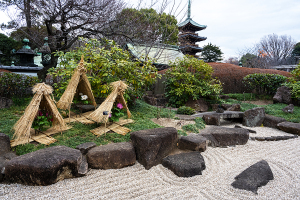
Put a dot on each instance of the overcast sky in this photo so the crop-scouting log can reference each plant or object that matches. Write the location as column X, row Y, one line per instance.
column 234, row 25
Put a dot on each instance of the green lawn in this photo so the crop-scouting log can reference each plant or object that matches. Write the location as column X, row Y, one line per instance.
column 80, row 133
column 141, row 114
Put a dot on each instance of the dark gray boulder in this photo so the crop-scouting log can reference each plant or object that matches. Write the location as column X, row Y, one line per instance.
column 288, row 109
column 234, row 107
column 111, row 156
column 46, row 166
column 212, row 119
column 289, row 127
column 85, row 147
column 272, row 121
column 199, row 105
column 283, row 95
column 254, row 117
column 5, row 102
column 153, row 145
column 225, row 106
column 4, row 144
column 255, row 176
column 185, row 164
column 222, row 136
column 192, row 142
column 85, row 108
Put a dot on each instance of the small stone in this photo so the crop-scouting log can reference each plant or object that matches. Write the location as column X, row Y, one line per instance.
column 185, row 164
column 288, row 109
column 193, row 142
column 85, row 147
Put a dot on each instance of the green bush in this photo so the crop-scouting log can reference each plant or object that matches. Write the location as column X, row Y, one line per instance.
column 184, row 110
column 264, row 83
column 190, row 78
column 16, row 85
column 294, row 83
column 105, row 63
column 191, row 128
column 200, row 123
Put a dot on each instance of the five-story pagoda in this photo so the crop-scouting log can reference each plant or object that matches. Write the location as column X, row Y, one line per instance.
column 188, row 36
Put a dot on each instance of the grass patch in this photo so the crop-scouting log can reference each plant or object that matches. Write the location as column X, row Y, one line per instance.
column 191, row 128
column 80, row 133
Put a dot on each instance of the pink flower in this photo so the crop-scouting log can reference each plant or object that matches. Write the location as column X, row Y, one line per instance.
column 109, row 115
column 120, row 106
column 40, row 113
column 46, row 114
column 51, row 119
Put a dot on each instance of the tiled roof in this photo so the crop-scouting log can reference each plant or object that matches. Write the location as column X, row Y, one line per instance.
column 189, row 20
column 193, row 36
column 161, row 54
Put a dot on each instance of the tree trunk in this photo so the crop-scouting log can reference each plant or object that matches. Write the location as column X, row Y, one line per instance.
column 42, row 74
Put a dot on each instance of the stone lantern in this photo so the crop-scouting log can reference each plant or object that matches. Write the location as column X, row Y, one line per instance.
column 46, row 53
column 26, row 55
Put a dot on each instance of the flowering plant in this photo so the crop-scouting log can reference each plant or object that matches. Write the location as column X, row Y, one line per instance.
column 42, row 121
column 83, row 99
column 116, row 112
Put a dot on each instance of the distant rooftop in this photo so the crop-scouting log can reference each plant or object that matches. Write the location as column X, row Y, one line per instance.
column 161, row 54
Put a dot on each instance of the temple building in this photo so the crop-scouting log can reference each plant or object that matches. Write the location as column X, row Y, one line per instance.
column 187, row 35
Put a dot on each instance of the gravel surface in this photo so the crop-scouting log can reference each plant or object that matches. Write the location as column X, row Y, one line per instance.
column 222, row 165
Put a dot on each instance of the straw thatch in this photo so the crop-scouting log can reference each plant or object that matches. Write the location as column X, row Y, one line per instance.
column 79, row 83
column 41, row 101
column 119, row 88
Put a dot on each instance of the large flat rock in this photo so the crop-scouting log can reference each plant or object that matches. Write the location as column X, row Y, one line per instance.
column 153, row 145
column 255, row 176
column 222, row 136
column 112, row 156
column 224, row 115
column 185, row 164
column 46, row 166
column 272, row 121
column 254, row 117
column 289, row 127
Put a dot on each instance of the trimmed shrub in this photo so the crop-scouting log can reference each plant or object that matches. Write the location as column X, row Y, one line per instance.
column 16, row 85
column 185, row 110
column 294, row 83
column 189, row 77
column 264, row 83
column 231, row 76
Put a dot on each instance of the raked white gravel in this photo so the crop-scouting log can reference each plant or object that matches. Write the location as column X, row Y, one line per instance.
column 222, row 165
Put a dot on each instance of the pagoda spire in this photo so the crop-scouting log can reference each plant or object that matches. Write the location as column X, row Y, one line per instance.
column 189, row 10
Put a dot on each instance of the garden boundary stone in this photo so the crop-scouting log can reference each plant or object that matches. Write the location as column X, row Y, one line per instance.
column 85, row 147
column 283, row 95
column 234, row 107
column 46, row 166
column 199, row 105
column 254, row 117
column 288, row 109
column 111, row 156
column 212, row 119
column 272, row 121
column 4, row 143
column 253, row 177
column 185, row 164
column 153, row 145
column 289, row 127
column 193, row 142
column 5, row 102
column 223, row 137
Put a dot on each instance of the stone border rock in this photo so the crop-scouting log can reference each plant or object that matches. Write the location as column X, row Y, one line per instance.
column 274, row 138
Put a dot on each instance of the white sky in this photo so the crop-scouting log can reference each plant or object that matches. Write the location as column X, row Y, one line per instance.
column 236, row 24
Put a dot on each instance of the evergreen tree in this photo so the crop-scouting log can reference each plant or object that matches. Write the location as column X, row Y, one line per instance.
column 211, row 53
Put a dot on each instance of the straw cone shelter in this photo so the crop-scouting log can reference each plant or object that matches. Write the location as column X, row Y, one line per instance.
column 41, row 101
column 79, row 83
column 119, row 88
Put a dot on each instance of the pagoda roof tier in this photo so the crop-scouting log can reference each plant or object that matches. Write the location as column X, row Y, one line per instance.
column 190, row 49
column 191, row 24
column 192, row 36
